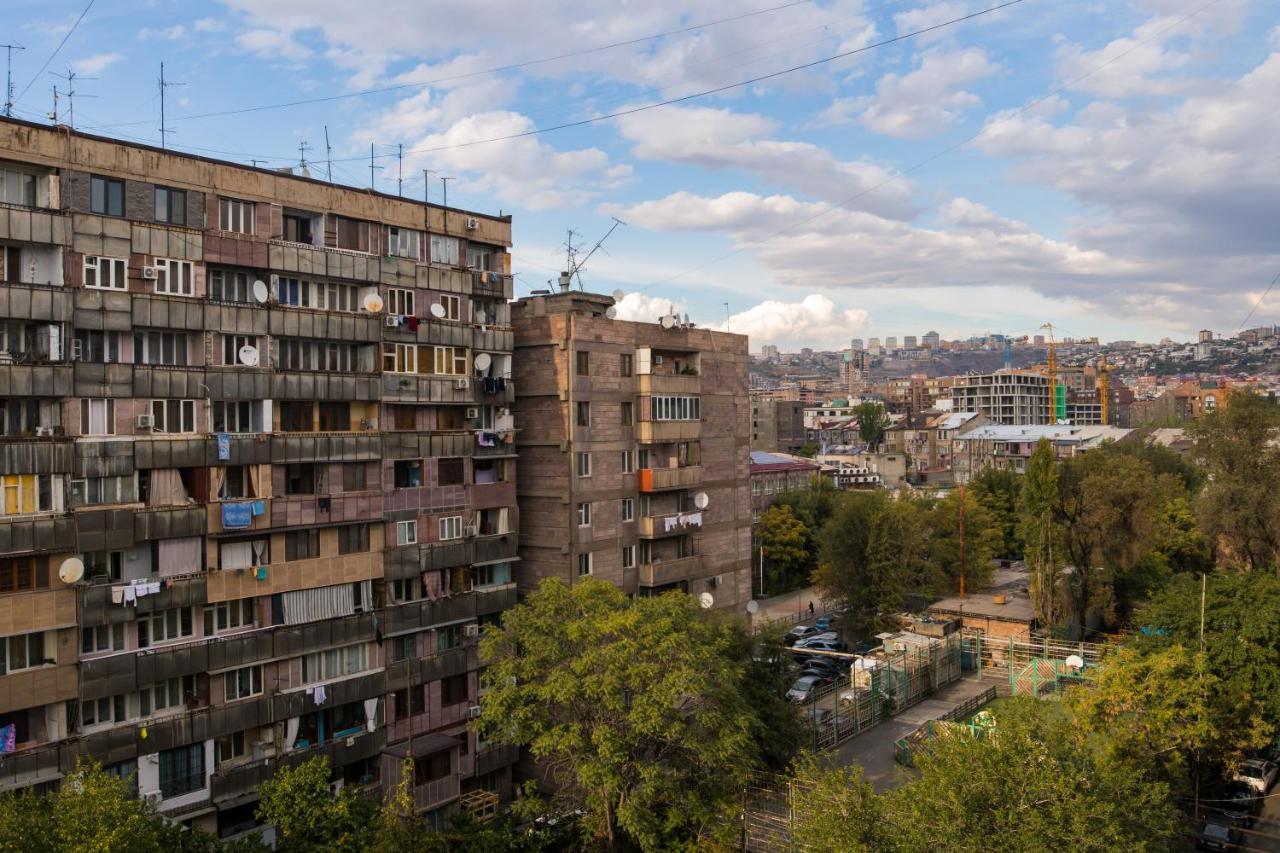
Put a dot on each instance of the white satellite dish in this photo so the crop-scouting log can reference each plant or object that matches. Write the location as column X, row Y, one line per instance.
column 1074, row 661
column 483, row 360
column 71, row 570
column 619, row 295
column 753, row 606
column 249, row 356
column 437, row 311
column 260, row 291
column 707, row 600
column 481, row 317
column 701, row 501
column 373, row 303
column 666, row 321
column 611, row 312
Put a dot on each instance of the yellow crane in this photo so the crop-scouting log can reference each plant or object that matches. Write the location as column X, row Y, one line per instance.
column 1053, row 376
column 1104, row 389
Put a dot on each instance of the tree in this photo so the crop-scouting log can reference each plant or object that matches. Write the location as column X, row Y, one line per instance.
column 1240, row 506
column 873, row 420
column 787, row 549
column 1038, row 528
column 998, row 491
column 637, row 709
column 307, row 816
column 942, row 542
column 835, row 810
column 872, row 555
column 808, row 450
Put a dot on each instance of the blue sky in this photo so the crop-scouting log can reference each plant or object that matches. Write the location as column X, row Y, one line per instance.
column 1107, row 166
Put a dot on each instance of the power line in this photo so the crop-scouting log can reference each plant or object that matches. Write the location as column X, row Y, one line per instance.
column 920, row 164
column 493, row 70
column 1256, row 305
column 725, row 88
column 57, row 49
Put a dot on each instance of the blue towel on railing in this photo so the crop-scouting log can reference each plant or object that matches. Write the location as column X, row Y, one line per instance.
column 237, row 514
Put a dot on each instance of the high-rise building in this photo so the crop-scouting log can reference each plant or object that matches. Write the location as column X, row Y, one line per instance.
column 909, row 342
column 1016, row 397
column 777, row 425
column 259, row 485
column 634, row 451
column 769, row 351
column 1037, row 340
column 931, row 340
column 855, row 344
column 891, row 342
column 1206, row 336
column 873, row 346
column 854, row 374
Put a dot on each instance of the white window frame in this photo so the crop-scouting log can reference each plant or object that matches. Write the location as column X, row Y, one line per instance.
column 628, row 461
column 186, row 416
column 26, row 642
column 100, row 411
column 235, row 281
column 242, row 683
column 452, row 306
column 582, row 464
column 451, row 527
column 400, row 300
column 588, row 560
column 399, row 356
column 162, row 619
column 628, row 509
column 107, row 273
column 236, row 216
column 167, row 269
column 404, row 243
column 628, row 556
column 334, row 663
column 584, row 514
column 227, row 616
column 407, row 532
column 444, row 250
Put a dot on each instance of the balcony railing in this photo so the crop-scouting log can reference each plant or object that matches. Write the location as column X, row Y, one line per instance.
column 662, row 431
column 670, row 383
column 432, row 795
column 668, row 571
column 672, row 524
column 660, row 479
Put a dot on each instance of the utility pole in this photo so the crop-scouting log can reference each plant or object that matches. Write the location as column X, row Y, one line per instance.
column 328, row 156
column 164, row 128
column 8, row 77
column 445, row 183
column 426, row 185
column 371, row 181
column 962, row 541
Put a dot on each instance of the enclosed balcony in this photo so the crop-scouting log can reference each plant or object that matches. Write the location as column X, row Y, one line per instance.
column 666, row 572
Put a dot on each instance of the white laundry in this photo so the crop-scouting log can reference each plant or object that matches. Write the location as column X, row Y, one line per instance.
column 318, row 695
column 130, row 594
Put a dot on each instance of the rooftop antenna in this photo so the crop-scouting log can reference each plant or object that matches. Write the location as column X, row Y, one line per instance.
column 444, row 182
column 328, row 156
column 302, row 155
column 727, row 317
column 574, row 265
column 426, row 185
column 53, row 116
column 164, row 128
column 400, row 169
column 8, row 77
column 71, row 77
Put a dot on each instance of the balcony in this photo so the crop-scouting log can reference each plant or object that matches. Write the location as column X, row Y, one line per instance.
column 651, row 432
column 669, row 383
column 668, row 571
column 491, row 284
column 662, row 479
column 672, row 524
column 432, row 795
column 36, row 380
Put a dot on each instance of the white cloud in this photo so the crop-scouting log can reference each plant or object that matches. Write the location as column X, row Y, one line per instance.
column 208, row 25
column 173, row 33
column 922, row 101
column 96, row 63
column 643, row 308
column 273, row 44
column 815, row 321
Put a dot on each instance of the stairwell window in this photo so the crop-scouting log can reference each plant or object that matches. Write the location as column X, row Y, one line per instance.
column 105, row 273
column 628, row 509
column 174, row 277
column 628, row 556
column 583, row 464
column 585, row 564
column 628, row 462
column 171, row 206
column 584, row 514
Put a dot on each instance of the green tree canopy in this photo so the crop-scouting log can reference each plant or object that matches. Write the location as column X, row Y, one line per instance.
column 787, row 547
column 308, row 816
column 998, row 490
column 872, row 420
column 1038, row 529
column 982, row 537
column 638, row 708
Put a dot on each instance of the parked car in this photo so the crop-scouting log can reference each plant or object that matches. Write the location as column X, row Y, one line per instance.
column 818, row 716
column 1257, row 774
column 806, row 686
column 823, row 624
column 1217, row 835
column 798, row 633
column 1233, row 802
column 823, row 637
column 822, row 666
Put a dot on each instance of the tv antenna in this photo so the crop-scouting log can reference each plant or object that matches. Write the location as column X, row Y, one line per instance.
column 328, row 156
column 8, row 77
column 573, row 264
column 53, row 116
column 302, row 155
column 71, row 77
column 164, row 128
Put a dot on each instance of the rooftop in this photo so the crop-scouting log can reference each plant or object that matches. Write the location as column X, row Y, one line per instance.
column 1011, row 582
column 765, row 463
column 1086, row 435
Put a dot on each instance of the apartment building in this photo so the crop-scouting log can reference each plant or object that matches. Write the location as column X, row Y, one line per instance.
column 634, row 451
column 258, row 476
column 777, row 425
column 1014, row 397
column 1009, row 448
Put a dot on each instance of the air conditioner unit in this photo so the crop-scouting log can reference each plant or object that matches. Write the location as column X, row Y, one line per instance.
column 146, row 421
column 393, row 320
column 472, row 630
column 148, row 272
column 472, row 223
column 473, row 712
column 472, row 413
column 657, row 359
column 472, row 530
column 462, row 384
column 44, row 431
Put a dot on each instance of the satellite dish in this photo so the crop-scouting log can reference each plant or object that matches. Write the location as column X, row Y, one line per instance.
column 1074, row 661
column 260, row 291
column 686, row 318
column 249, row 356
column 373, row 303
column 666, row 321
column 753, row 606
column 71, row 570
column 437, row 311
column 611, row 312
column 481, row 317
column 483, row 360
column 707, row 600
column 701, row 501
column 618, row 296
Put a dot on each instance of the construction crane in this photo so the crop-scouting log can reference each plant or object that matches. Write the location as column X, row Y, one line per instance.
column 1053, row 375
column 1104, row 389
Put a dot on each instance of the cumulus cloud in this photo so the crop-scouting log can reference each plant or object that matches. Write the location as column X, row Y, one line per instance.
column 815, row 321
column 273, row 44
column 173, row 33
column 95, row 64
column 642, row 308
column 922, row 101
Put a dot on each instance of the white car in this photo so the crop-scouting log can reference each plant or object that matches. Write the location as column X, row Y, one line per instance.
column 1258, row 774
column 826, row 636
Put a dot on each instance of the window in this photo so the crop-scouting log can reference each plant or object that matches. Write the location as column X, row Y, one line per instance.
column 235, row 216
column 626, row 412
column 102, row 638
column 625, row 364
column 335, row 663
column 354, row 476
column 107, row 565
column 301, row 544
column 295, row 416
column 353, row 539
column 164, row 626
column 97, row 417
column 168, row 348
column 175, row 278
column 450, row 527
column 494, row 574
column 17, row 187
column 453, row 689
column 173, row 415
column 330, row 356
column 99, row 712
column 583, row 464
column 585, row 564
column 228, row 748
column 582, row 362
column 583, row 414
column 230, row 286
column 676, row 408
column 444, row 250
column 242, row 683
column 628, row 509
column 105, row 273
column 351, row 234
column 479, row 258
column 171, row 206
column 406, row 589
column 182, row 770
column 452, row 306
column 449, row 361
column 96, row 347
column 400, row 301
column 450, row 472
column 408, row 473
column 234, row 416
column 106, row 196
column 232, row 344
column 406, row 532
column 21, row 652
column 170, row 693
column 23, row 574
column 27, row 493
column 628, row 556
column 229, row 616
column 399, row 358
column 628, row 462
column 297, row 228
column 404, row 243
column 584, row 515
column 300, row 478
column 244, row 553
column 104, row 490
